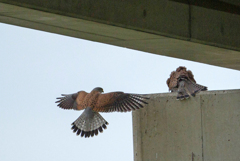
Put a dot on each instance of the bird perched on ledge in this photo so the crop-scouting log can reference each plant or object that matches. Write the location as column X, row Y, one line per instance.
column 183, row 82
column 90, row 122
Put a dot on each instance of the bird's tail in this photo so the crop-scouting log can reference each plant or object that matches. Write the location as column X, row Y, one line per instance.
column 189, row 88
column 182, row 93
column 89, row 123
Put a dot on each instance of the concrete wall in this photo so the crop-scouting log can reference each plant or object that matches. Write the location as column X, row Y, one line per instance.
column 206, row 127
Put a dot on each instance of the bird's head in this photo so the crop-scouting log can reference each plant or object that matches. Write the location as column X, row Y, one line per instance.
column 99, row 89
column 181, row 68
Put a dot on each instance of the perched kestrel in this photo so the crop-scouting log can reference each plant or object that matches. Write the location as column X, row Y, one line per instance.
column 90, row 121
column 183, row 82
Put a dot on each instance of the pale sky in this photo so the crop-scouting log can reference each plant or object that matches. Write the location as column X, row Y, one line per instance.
column 36, row 67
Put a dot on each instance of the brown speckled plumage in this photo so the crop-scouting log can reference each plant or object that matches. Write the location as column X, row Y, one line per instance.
column 90, row 122
column 183, row 82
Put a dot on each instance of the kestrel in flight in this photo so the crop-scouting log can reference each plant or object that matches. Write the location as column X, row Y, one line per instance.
column 183, row 82
column 90, row 122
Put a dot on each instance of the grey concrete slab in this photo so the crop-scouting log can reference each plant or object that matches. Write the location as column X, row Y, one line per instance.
column 167, row 18
column 205, row 127
column 169, row 130
column 215, row 27
column 137, row 136
column 221, row 125
column 154, row 14
column 146, row 26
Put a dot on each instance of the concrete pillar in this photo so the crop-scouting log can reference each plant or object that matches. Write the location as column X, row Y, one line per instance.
column 205, row 127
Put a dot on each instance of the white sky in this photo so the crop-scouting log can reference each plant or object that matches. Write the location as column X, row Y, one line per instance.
column 36, row 67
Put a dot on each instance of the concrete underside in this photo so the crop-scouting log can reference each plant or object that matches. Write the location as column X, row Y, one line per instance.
column 206, row 127
column 201, row 31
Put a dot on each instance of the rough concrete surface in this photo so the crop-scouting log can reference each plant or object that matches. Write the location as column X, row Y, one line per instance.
column 202, row 128
column 221, row 126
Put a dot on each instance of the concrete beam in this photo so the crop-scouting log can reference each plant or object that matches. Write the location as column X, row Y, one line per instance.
column 205, row 127
column 181, row 29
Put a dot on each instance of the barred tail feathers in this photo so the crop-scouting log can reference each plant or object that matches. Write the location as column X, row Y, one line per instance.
column 193, row 88
column 89, row 123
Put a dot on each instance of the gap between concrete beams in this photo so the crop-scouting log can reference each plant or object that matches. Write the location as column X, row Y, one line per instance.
column 201, row 105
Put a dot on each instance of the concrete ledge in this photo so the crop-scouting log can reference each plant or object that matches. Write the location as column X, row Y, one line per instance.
column 206, row 127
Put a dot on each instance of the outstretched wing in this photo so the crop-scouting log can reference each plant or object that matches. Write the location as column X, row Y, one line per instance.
column 72, row 101
column 120, row 102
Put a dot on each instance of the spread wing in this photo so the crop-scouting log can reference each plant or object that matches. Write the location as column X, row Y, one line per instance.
column 120, row 102
column 72, row 101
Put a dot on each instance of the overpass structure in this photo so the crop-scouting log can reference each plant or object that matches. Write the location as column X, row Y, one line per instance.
column 197, row 30
column 204, row 128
